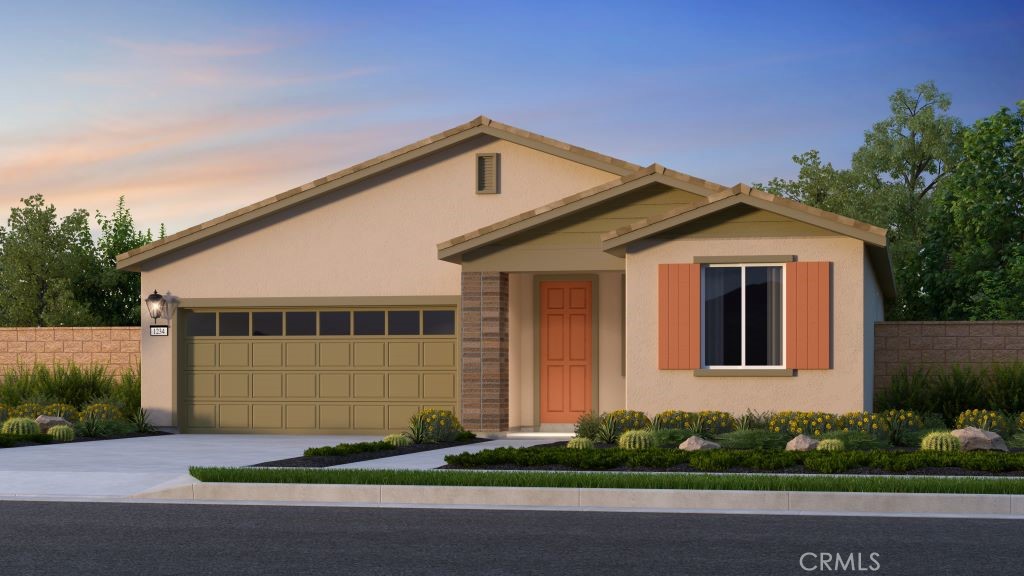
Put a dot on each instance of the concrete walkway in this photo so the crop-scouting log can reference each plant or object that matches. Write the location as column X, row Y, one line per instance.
column 435, row 458
column 120, row 468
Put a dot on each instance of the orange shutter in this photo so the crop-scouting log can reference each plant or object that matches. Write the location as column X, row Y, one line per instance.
column 678, row 316
column 808, row 315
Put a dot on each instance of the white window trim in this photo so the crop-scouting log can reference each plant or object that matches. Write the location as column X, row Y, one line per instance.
column 743, row 318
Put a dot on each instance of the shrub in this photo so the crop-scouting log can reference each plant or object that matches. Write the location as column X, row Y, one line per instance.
column 101, row 412
column 752, row 439
column 900, row 424
column 752, row 420
column 669, row 438
column 706, row 423
column 580, row 443
column 140, row 421
column 947, row 393
column 91, row 427
column 636, row 440
column 831, row 445
column 65, row 411
column 62, row 433
column 940, row 442
column 984, row 419
column 70, row 384
column 431, row 425
column 398, row 440
column 1004, row 387
column 346, row 449
column 587, row 425
column 27, row 410
column 860, row 422
column 630, row 420
column 1020, row 422
column 19, row 426
column 608, row 431
column 4, row 412
column 809, row 423
column 858, row 440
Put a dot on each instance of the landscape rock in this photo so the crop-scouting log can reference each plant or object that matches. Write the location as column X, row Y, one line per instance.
column 47, row 422
column 972, row 438
column 802, row 443
column 696, row 444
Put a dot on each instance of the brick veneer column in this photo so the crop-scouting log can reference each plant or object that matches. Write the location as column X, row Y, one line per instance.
column 485, row 351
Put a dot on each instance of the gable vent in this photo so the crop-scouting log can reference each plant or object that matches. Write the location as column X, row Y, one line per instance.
column 487, row 173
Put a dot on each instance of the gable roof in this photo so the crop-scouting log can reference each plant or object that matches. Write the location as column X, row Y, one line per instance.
column 452, row 250
column 874, row 238
column 132, row 259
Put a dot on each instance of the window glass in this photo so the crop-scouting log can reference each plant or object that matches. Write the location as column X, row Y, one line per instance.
column 301, row 323
column 438, row 322
column 335, row 324
column 266, row 324
column 722, row 319
column 369, row 323
column 764, row 315
column 201, row 324
column 234, row 323
column 404, row 322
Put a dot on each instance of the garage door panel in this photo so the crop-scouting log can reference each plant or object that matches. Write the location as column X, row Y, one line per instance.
column 335, row 416
column 300, row 354
column 308, row 380
column 233, row 354
column 234, row 385
column 267, row 385
column 267, row 354
column 268, row 416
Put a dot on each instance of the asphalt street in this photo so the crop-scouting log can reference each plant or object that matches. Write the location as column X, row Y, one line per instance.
column 152, row 539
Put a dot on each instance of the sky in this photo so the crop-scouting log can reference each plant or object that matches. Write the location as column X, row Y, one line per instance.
column 193, row 109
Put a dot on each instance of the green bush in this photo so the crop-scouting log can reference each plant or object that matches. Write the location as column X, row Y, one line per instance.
column 19, row 426
column 71, row 384
column 397, row 440
column 752, row 439
column 669, row 438
column 858, row 440
column 831, row 445
column 431, row 425
column 346, row 449
column 1004, row 389
column 636, row 440
column 27, row 410
column 65, row 411
column 9, row 440
column 580, row 443
column 587, row 425
column 101, row 412
column 89, row 427
column 630, row 420
column 752, row 420
column 940, row 442
column 62, row 433
column 984, row 419
column 608, row 431
column 704, row 424
column 950, row 393
column 4, row 412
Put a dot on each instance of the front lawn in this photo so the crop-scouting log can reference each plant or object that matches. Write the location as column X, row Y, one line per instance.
column 615, row 480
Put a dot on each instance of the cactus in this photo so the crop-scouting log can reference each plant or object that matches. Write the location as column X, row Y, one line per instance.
column 27, row 410
column 62, row 433
column 940, row 442
column 65, row 411
column 636, row 440
column 831, row 445
column 20, row 427
column 398, row 440
column 101, row 412
column 580, row 443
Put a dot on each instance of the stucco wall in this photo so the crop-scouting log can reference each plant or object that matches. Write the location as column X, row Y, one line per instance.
column 874, row 311
column 840, row 389
column 376, row 238
column 938, row 346
column 523, row 383
column 116, row 348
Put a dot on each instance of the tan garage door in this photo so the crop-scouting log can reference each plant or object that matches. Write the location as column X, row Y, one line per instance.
column 323, row 370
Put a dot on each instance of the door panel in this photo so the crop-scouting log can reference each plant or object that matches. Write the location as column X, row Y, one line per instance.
column 566, row 346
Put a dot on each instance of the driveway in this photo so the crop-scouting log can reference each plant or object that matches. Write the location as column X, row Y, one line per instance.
column 120, row 468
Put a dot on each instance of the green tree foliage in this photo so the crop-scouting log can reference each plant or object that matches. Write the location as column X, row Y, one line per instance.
column 973, row 260
column 53, row 273
column 891, row 181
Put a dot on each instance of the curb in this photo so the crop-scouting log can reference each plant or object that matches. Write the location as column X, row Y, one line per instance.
column 1003, row 505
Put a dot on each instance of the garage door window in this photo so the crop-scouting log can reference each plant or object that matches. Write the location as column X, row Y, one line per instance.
column 234, row 323
column 404, row 323
column 301, row 323
column 438, row 322
column 335, row 324
column 369, row 323
column 201, row 324
column 266, row 324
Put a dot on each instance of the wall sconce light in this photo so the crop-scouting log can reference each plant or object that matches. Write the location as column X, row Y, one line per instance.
column 157, row 305
column 160, row 306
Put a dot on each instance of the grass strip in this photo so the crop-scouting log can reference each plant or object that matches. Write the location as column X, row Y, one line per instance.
column 614, row 480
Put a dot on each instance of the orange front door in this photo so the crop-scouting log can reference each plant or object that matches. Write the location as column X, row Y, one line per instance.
column 566, row 350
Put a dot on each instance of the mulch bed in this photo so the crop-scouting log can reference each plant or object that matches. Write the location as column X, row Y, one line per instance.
column 326, row 461
column 27, row 443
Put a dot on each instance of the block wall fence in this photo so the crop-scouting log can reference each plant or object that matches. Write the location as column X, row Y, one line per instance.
column 114, row 347
column 939, row 345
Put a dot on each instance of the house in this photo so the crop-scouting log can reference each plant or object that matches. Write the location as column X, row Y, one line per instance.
column 515, row 279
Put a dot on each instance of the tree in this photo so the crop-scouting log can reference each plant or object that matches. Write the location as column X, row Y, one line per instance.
column 974, row 258
column 890, row 183
column 119, row 304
